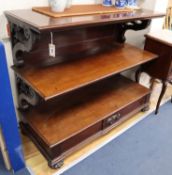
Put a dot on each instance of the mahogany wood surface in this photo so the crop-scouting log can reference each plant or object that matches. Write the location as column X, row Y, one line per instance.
column 161, row 44
column 163, row 36
column 56, row 121
column 56, row 153
column 72, row 44
column 88, row 49
column 161, row 67
column 79, row 10
column 40, row 23
column 55, row 80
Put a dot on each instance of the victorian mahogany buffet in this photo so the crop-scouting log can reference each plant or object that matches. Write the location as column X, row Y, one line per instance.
column 74, row 93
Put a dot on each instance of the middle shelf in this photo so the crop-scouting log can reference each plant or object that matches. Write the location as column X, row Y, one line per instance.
column 50, row 82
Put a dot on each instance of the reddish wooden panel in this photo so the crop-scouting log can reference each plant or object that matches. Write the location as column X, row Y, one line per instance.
column 59, row 120
column 53, row 81
column 42, row 23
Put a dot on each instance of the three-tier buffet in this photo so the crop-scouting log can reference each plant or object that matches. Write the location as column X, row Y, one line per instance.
column 68, row 76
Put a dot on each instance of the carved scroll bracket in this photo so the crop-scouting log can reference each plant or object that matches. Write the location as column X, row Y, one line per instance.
column 133, row 25
column 23, row 39
column 26, row 95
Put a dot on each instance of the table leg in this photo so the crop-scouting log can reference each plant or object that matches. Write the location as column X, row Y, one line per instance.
column 164, row 88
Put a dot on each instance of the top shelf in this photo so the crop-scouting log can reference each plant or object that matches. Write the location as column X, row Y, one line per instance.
column 52, row 81
column 41, row 23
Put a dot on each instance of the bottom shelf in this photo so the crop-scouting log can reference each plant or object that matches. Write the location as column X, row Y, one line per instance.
column 95, row 110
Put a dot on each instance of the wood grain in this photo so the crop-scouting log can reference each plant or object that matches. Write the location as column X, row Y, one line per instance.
column 79, row 10
column 72, row 44
column 38, row 164
column 55, row 123
column 43, row 23
column 59, row 79
column 160, row 44
column 62, row 125
column 161, row 67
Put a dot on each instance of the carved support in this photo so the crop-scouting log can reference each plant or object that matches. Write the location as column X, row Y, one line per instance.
column 26, row 95
column 23, row 39
column 133, row 25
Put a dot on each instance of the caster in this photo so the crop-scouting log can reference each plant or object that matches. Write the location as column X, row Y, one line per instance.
column 145, row 109
column 56, row 165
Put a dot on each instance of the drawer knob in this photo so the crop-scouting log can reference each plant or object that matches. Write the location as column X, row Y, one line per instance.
column 113, row 119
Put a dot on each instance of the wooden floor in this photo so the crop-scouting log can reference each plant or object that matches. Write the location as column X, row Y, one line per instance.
column 38, row 165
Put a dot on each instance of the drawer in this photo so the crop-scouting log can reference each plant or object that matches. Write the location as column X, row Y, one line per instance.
column 81, row 136
column 125, row 112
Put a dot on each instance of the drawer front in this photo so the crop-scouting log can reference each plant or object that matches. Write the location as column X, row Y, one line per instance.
column 114, row 119
column 80, row 137
column 96, row 129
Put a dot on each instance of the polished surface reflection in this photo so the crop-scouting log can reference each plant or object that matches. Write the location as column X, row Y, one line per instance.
column 43, row 22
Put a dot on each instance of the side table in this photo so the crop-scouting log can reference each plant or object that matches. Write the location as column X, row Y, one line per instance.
column 160, row 43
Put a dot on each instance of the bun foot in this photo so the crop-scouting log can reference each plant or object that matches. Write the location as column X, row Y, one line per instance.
column 56, row 165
